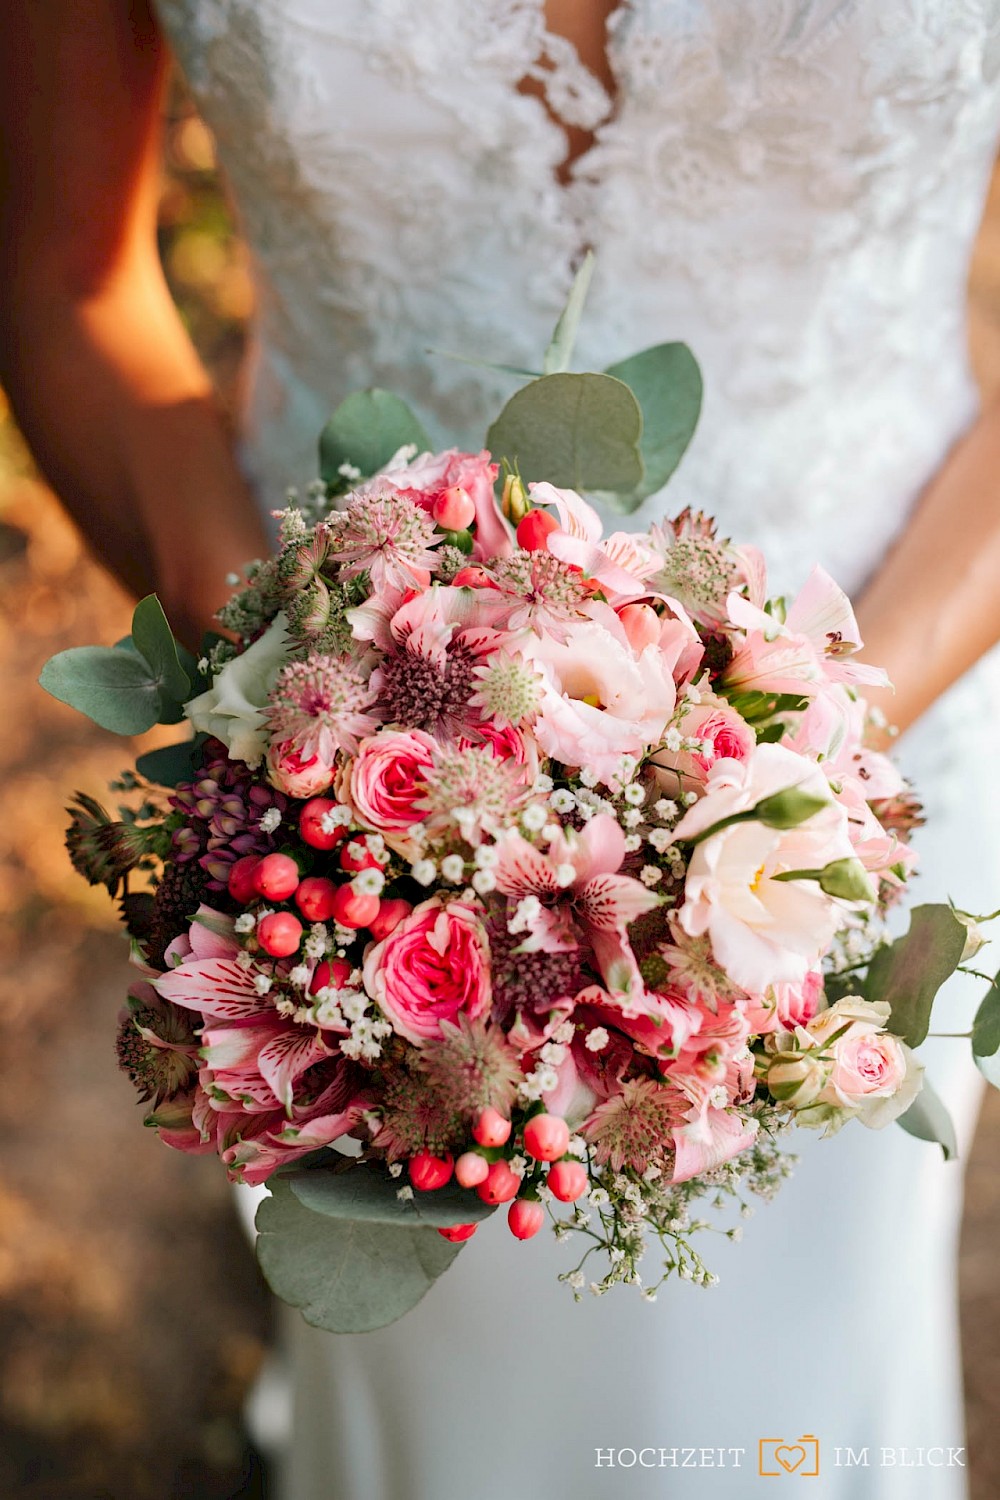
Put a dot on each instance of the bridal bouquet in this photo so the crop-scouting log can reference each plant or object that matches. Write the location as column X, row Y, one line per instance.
column 510, row 863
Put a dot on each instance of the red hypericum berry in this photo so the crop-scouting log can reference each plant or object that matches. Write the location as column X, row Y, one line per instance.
column 534, row 530
column 279, row 934
column 454, row 510
column 472, row 578
column 546, row 1137
column 314, row 898
column 428, row 1172
column 568, row 1180
column 332, row 974
column 242, row 884
column 356, row 856
column 311, row 824
column 277, row 877
column 641, row 624
column 500, row 1184
column 525, row 1217
column 458, row 1232
column 352, row 909
column 391, row 912
column 490, row 1128
column 471, row 1169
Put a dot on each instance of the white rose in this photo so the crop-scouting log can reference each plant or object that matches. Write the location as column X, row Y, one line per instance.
column 233, row 707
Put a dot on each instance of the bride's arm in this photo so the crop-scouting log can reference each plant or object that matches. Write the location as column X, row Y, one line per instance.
column 933, row 608
column 100, row 373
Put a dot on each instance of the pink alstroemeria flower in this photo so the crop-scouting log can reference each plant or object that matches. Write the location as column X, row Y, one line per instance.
column 579, row 896
column 621, row 563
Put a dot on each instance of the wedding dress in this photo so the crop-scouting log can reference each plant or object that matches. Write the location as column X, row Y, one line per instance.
column 792, row 187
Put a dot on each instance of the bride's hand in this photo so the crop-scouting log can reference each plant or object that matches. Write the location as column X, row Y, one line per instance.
column 933, row 608
column 101, row 375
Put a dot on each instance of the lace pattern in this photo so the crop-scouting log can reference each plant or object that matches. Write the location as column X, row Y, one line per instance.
column 792, row 186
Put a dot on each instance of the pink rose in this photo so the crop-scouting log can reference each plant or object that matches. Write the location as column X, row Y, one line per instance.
column 722, row 733
column 872, row 1075
column 386, row 780
column 287, row 770
column 786, row 1005
column 434, row 967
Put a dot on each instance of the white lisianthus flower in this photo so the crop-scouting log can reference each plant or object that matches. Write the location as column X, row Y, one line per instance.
column 764, row 929
column 233, row 707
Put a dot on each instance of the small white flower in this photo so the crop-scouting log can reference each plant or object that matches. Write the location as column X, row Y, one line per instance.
column 633, row 843
column 487, row 857
column 562, row 801
column 597, row 1039
column 552, row 1053
column 627, row 767
column 534, row 818
column 565, row 875
column 368, row 883
column 588, row 777
column 661, row 840
column 424, row 871
column 547, row 1079
column 245, row 922
column 672, row 740
column 577, row 1280
column 689, row 799
column 526, row 912
column 564, row 1033
column 632, row 817
column 317, row 942
column 635, row 795
column 405, row 1193
column 334, row 818
column 665, row 809
column 651, row 875
column 203, row 665
column 543, row 784
column 453, row 868
column 270, row 820
column 299, row 976
column 396, row 1169
column 483, row 882
column 262, row 983
column 244, row 960
column 599, row 1197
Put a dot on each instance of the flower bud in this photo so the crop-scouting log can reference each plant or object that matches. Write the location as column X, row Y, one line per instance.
column 788, row 808
column 797, row 1079
column 848, row 879
column 514, row 500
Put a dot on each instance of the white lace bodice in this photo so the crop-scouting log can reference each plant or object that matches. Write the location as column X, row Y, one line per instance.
column 792, row 186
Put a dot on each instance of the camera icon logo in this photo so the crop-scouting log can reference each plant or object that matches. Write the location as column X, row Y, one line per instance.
column 776, row 1457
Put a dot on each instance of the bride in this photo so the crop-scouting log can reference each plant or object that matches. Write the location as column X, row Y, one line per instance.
column 792, row 187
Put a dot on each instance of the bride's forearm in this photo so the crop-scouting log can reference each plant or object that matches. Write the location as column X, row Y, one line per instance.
column 122, row 420
column 933, row 608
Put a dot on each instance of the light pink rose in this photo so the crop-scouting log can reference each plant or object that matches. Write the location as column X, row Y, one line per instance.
column 874, row 1075
column 723, row 734
column 434, row 967
column 385, row 781
column 297, row 777
column 786, row 1005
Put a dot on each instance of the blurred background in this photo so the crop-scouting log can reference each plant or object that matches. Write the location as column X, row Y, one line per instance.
column 132, row 1318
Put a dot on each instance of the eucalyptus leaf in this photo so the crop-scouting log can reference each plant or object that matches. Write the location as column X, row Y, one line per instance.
column 366, row 1191
column 986, row 1026
column 113, row 685
column 365, row 431
column 928, row 1119
column 666, row 382
column 560, row 351
column 171, row 764
column 579, row 432
column 909, row 972
column 345, row 1275
column 154, row 640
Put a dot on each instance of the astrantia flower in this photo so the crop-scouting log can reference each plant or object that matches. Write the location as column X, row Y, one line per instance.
column 318, row 706
column 698, row 569
column 635, row 1127
column 156, row 1045
column 388, row 536
column 426, row 679
column 102, row 850
column 509, row 689
column 691, row 969
column 541, row 591
column 472, row 790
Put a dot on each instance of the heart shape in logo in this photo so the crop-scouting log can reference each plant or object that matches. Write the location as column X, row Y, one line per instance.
column 790, row 1457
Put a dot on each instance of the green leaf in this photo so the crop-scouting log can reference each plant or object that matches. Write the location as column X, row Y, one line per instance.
column 928, row 1119
column 579, row 432
column 560, row 351
column 909, row 972
column 666, row 382
column 112, row 685
column 986, row 1026
column 368, row 1192
column 154, row 640
column 171, row 763
column 346, row 1275
column 365, row 431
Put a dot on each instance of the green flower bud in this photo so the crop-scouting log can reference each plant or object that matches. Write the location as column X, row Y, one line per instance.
column 848, row 879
